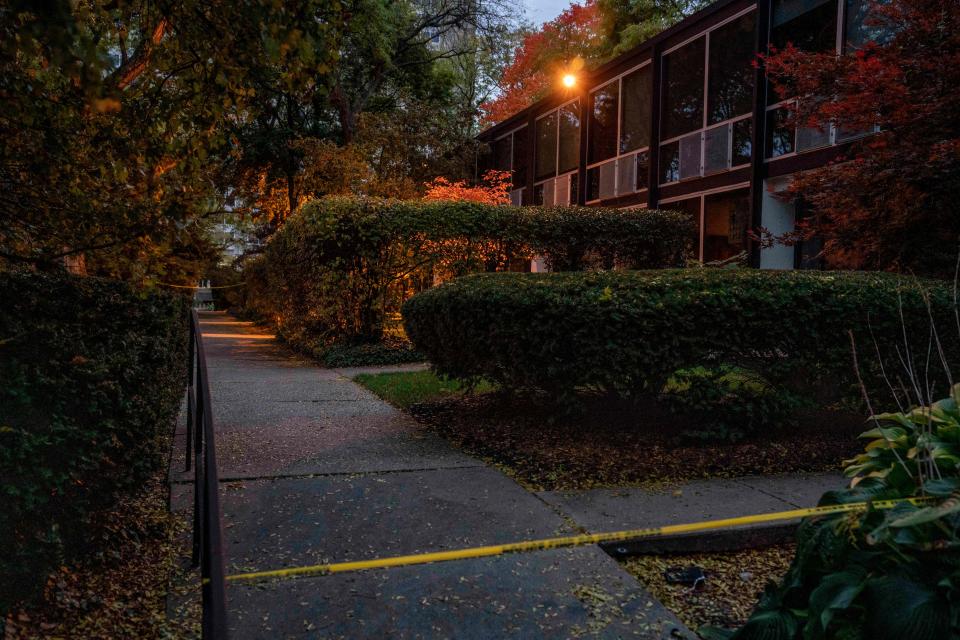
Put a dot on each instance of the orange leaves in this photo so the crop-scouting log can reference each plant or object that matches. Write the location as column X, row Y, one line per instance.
column 540, row 59
column 494, row 189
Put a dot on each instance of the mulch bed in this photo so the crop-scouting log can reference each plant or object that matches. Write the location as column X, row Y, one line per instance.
column 734, row 582
column 122, row 591
column 614, row 443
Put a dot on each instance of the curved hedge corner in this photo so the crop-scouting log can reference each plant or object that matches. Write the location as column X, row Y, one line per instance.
column 628, row 332
column 336, row 270
column 91, row 377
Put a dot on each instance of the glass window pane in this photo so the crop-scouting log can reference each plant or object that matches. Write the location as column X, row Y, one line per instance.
column 549, row 192
column 593, row 184
column 730, row 83
column 742, row 142
column 811, row 138
column 569, row 157
column 716, row 148
column 501, row 154
column 635, row 116
column 608, row 179
column 859, row 28
column 810, row 25
column 690, row 206
column 574, row 187
column 626, row 179
column 520, row 154
column 603, row 123
column 670, row 162
column 538, row 194
column 726, row 218
column 546, row 146
column 690, row 156
column 683, row 89
column 643, row 170
column 779, row 133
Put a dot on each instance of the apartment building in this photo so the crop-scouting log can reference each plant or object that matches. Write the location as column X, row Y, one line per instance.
column 687, row 121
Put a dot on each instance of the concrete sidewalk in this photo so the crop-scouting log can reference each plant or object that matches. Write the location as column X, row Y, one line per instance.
column 315, row 469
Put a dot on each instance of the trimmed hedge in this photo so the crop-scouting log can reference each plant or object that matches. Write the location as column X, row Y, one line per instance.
column 91, row 377
column 629, row 332
column 335, row 271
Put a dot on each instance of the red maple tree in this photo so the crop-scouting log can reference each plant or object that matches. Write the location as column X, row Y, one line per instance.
column 893, row 200
column 493, row 189
column 561, row 44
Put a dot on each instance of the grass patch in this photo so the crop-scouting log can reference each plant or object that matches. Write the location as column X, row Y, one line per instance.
column 404, row 389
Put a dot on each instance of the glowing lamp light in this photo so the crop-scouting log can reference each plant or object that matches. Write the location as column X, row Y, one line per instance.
column 569, row 80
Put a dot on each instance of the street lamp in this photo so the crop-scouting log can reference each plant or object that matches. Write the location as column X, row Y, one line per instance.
column 569, row 80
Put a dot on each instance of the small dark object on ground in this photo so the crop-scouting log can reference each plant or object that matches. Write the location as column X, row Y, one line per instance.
column 692, row 576
column 727, row 597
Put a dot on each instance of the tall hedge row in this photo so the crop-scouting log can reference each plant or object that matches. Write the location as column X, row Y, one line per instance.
column 630, row 331
column 91, row 378
column 335, row 271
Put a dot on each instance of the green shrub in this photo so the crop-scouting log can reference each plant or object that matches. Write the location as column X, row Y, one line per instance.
column 91, row 377
column 629, row 332
column 880, row 574
column 360, row 355
column 335, row 271
column 727, row 403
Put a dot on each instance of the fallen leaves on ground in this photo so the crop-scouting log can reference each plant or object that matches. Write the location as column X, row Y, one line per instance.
column 734, row 582
column 615, row 444
column 121, row 590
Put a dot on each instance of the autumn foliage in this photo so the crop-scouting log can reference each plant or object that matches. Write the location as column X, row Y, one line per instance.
column 891, row 202
column 493, row 189
column 542, row 57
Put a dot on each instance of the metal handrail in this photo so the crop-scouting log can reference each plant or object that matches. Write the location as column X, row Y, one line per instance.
column 207, row 550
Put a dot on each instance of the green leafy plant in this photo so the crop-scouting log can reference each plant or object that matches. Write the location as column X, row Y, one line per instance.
column 337, row 270
column 91, row 377
column 630, row 332
column 727, row 403
column 879, row 574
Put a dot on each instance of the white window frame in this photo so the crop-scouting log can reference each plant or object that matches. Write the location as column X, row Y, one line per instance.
column 705, row 125
column 617, row 154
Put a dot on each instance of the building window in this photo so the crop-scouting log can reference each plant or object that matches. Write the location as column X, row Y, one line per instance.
column 603, row 123
column 643, row 171
column 635, row 111
column 670, row 162
column 546, row 164
column 707, row 132
column 520, row 154
column 726, row 219
column 568, row 148
column 780, row 134
column 557, row 155
column 742, row 147
column 810, row 25
column 691, row 207
column 731, row 72
column 502, row 152
column 510, row 154
column 683, row 71
column 619, row 136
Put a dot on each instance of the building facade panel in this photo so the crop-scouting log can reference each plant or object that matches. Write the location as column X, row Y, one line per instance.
column 687, row 121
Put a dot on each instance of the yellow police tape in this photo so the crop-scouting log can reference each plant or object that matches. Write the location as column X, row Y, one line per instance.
column 568, row 541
